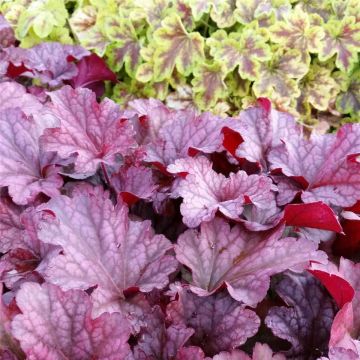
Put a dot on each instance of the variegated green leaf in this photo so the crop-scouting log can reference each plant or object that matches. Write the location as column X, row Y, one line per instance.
column 348, row 100
column 278, row 78
column 175, row 47
column 125, row 47
column 84, row 26
column 208, row 85
column 342, row 37
column 298, row 31
column 246, row 50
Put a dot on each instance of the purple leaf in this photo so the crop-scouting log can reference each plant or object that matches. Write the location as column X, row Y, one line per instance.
column 219, row 322
column 243, row 261
column 95, row 132
column 57, row 325
column 307, row 319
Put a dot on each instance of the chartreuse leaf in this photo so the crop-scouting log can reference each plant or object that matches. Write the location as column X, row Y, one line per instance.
column 224, row 12
column 246, row 50
column 348, row 100
column 42, row 16
column 175, row 47
column 342, row 37
column 299, row 31
column 208, row 85
column 199, row 8
column 277, row 78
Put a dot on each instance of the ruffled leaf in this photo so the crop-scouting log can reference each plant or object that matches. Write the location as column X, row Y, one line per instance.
column 205, row 192
column 95, row 132
column 241, row 260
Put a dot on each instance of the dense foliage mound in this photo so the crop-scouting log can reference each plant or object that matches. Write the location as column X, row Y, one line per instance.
column 217, row 55
column 155, row 233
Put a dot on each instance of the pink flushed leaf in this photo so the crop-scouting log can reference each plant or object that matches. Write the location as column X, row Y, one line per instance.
column 307, row 320
column 191, row 352
column 204, row 191
column 56, row 325
column 183, row 133
column 219, row 322
column 133, row 183
column 23, row 166
column 343, row 335
column 51, row 62
column 92, row 72
column 95, row 132
column 325, row 163
column 315, row 215
column 13, row 95
column 7, row 36
column 157, row 341
column 263, row 128
column 11, row 229
column 103, row 247
column 243, row 261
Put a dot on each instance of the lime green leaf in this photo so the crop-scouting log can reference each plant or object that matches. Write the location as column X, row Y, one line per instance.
column 236, row 85
column 318, row 87
column 175, row 47
column 84, row 26
column 208, row 85
column 299, row 32
column 125, row 47
column 199, row 8
column 246, row 50
column 42, row 16
column 348, row 101
column 342, row 37
column 277, row 79
column 224, row 12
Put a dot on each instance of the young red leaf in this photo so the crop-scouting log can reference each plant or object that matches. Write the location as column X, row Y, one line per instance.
column 204, row 192
column 315, row 215
column 306, row 320
column 219, row 322
column 103, row 247
column 241, row 260
column 95, row 132
column 57, row 325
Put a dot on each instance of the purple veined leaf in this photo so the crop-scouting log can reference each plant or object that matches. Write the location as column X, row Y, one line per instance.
column 220, row 323
column 160, row 342
column 95, row 132
column 205, row 192
column 306, row 320
column 262, row 128
column 58, row 325
column 103, row 248
column 242, row 260
column 7, row 36
column 50, row 62
column 325, row 166
column 14, row 95
column 260, row 352
column 133, row 183
column 92, row 71
column 24, row 167
column 182, row 133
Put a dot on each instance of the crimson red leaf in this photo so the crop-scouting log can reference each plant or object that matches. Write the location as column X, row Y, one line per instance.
column 315, row 215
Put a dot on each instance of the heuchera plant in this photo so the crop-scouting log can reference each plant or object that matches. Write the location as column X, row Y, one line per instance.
column 217, row 55
column 153, row 233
